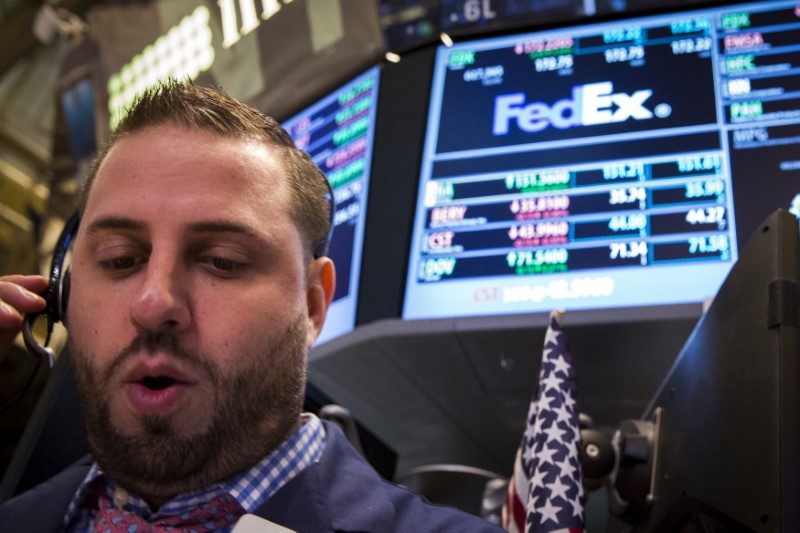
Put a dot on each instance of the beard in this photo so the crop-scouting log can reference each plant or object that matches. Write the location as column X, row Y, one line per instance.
column 255, row 409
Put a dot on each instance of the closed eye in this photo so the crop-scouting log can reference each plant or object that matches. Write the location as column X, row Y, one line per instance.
column 121, row 265
column 119, row 255
column 222, row 267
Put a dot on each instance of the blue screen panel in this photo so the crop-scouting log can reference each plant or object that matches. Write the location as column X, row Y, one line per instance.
column 606, row 165
column 337, row 132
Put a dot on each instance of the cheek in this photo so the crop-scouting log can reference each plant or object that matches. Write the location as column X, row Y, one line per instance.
column 96, row 318
column 243, row 341
column 85, row 296
column 244, row 315
column 233, row 342
column 81, row 318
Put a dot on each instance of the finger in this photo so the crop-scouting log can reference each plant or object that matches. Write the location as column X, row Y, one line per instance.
column 32, row 282
column 10, row 318
column 21, row 294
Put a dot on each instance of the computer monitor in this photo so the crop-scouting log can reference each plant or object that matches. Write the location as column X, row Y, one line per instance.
column 725, row 426
column 337, row 132
column 606, row 165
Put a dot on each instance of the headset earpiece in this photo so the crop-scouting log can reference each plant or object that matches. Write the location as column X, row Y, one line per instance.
column 63, row 296
column 57, row 294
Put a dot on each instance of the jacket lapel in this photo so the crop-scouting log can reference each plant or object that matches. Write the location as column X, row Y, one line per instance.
column 341, row 493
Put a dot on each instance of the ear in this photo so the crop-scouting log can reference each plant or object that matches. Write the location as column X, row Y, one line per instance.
column 320, row 286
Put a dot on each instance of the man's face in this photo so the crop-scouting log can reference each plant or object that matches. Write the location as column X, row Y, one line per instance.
column 191, row 310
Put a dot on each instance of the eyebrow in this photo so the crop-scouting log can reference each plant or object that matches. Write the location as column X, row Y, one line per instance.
column 223, row 226
column 208, row 226
column 114, row 223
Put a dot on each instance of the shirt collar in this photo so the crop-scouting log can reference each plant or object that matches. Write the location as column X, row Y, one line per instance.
column 251, row 487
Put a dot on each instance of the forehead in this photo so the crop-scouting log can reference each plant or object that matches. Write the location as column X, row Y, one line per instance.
column 171, row 169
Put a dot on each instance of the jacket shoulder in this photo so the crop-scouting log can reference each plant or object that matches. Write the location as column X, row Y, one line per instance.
column 343, row 493
column 43, row 507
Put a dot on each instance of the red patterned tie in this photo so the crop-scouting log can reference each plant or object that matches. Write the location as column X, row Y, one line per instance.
column 220, row 512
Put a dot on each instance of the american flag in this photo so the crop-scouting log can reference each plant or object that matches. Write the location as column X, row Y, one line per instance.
column 545, row 493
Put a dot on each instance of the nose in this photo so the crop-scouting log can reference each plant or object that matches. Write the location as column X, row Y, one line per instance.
column 161, row 301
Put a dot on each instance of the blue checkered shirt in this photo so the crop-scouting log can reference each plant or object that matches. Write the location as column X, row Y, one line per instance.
column 250, row 488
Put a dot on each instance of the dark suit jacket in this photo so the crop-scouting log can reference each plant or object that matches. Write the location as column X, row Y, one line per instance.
column 339, row 493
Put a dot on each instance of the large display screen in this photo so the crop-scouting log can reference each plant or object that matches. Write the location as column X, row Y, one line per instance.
column 337, row 132
column 604, row 165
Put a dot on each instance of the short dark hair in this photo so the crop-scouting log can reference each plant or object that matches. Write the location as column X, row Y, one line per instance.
column 196, row 107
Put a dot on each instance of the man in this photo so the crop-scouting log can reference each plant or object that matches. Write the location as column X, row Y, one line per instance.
column 198, row 284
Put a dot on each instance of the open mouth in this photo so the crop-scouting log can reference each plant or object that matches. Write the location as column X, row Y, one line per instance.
column 157, row 383
column 156, row 392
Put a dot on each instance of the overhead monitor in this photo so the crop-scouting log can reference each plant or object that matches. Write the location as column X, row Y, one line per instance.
column 605, row 165
column 337, row 132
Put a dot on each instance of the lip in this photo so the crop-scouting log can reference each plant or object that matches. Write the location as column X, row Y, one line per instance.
column 144, row 399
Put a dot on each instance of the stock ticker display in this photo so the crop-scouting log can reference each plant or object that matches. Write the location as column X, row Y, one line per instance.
column 601, row 166
column 338, row 133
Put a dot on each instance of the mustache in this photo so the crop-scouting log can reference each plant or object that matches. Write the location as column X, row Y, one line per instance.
column 152, row 341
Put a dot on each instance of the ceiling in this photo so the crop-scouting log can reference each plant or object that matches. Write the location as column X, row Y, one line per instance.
column 37, row 180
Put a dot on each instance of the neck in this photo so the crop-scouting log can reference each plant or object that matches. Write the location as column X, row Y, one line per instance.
column 156, row 499
column 155, row 502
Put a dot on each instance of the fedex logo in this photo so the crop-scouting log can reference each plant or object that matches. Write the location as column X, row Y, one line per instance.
column 591, row 104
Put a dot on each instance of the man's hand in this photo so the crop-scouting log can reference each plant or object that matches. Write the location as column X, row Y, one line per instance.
column 18, row 295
